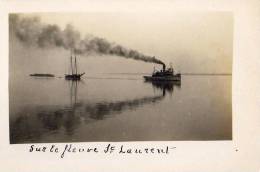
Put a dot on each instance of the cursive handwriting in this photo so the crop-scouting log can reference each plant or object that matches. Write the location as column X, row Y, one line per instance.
column 107, row 149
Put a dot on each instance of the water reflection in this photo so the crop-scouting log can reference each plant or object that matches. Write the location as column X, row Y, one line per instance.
column 98, row 111
column 166, row 86
column 34, row 122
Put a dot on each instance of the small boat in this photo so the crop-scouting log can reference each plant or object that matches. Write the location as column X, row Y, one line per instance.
column 74, row 75
column 164, row 75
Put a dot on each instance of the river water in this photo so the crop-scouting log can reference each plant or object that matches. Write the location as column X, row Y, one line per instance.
column 119, row 107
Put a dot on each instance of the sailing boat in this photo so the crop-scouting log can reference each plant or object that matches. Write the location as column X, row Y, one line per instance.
column 73, row 72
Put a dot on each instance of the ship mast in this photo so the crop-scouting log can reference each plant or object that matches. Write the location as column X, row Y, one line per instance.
column 71, row 66
column 76, row 65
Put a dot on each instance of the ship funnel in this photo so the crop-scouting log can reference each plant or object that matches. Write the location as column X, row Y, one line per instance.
column 164, row 66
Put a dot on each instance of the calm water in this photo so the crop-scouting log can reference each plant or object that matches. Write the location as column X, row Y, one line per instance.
column 119, row 107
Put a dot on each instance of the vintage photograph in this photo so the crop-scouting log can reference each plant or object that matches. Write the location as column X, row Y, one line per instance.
column 108, row 76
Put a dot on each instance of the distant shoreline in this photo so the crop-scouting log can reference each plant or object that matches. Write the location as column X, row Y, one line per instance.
column 42, row 75
column 181, row 73
column 206, row 74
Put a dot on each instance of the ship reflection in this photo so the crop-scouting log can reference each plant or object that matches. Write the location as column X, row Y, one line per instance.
column 66, row 119
column 165, row 86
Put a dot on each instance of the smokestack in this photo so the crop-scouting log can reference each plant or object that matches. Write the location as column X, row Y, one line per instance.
column 32, row 32
column 164, row 66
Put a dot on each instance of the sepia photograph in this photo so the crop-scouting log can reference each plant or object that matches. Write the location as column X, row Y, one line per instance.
column 120, row 76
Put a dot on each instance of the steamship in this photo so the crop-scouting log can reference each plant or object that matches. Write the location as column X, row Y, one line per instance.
column 73, row 70
column 164, row 75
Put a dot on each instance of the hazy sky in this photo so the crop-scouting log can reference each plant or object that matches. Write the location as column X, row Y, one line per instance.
column 192, row 41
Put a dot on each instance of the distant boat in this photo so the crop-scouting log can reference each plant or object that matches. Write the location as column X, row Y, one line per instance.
column 73, row 71
column 42, row 75
column 164, row 75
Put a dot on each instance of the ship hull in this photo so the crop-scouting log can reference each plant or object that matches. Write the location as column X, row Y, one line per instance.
column 73, row 76
column 176, row 77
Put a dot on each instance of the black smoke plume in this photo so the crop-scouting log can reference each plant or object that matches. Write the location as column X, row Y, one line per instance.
column 31, row 31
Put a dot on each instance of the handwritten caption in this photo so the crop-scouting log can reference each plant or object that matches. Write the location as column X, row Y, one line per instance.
column 62, row 151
